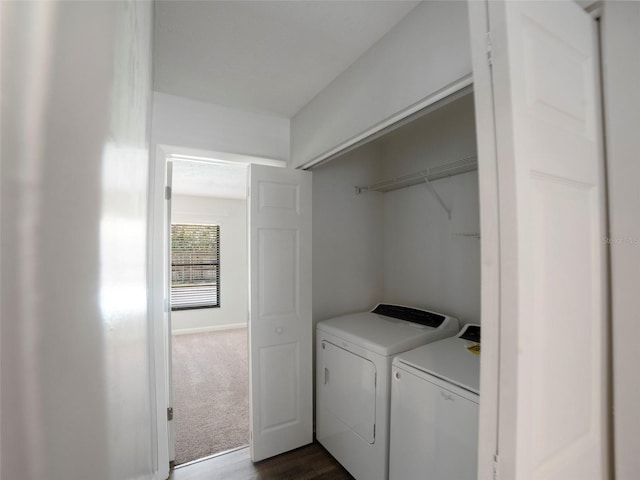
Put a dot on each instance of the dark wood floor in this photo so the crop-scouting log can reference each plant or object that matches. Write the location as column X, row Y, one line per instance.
column 305, row 463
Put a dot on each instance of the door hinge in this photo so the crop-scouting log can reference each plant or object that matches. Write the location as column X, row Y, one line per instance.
column 489, row 49
column 495, row 467
column 167, row 192
column 169, row 414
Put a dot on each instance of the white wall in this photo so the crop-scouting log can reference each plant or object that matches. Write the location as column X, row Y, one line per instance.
column 423, row 53
column 183, row 122
column 399, row 246
column 231, row 215
column 347, row 236
column 74, row 353
column 621, row 63
column 426, row 262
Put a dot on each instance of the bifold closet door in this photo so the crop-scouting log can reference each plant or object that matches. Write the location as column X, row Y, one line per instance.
column 280, row 326
column 552, row 388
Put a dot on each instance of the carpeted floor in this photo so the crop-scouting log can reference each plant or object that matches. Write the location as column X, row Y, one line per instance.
column 211, row 393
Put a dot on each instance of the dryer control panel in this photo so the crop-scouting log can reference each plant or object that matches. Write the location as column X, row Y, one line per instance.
column 409, row 314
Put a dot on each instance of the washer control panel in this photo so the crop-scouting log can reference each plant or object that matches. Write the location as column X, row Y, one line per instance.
column 470, row 332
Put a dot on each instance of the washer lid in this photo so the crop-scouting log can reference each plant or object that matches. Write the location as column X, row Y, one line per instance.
column 448, row 359
column 385, row 335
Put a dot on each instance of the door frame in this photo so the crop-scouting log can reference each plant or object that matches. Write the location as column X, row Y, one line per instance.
column 159, row 335
column 621, row 75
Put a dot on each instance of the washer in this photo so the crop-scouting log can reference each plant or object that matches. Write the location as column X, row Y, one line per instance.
column 353, row 371
column 434, row 410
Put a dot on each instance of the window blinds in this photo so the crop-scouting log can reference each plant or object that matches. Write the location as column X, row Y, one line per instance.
column 195, row 266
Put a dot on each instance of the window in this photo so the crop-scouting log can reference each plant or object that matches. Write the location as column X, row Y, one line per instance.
column 195, row 266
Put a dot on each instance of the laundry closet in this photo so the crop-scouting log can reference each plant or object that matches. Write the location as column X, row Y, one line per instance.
column 383, row 234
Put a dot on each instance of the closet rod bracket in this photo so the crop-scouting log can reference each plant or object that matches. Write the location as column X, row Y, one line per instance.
column 434, row 193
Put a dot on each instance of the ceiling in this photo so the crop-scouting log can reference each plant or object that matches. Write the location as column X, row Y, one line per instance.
column 204, row 179
column 263, row 56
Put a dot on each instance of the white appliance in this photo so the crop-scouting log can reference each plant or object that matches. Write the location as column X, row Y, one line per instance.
column 434, row 410
column 353, row 371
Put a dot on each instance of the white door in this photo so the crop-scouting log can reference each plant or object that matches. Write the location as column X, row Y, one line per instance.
column 280, row 325
column 552, row 390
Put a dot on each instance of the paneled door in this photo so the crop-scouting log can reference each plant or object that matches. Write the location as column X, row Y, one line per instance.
column 280, row 325
column 542, row 61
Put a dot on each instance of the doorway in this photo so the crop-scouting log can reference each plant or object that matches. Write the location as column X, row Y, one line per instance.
column 208, row 308
column 272, row 393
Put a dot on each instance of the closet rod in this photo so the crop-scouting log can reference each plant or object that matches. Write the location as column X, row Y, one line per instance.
column 457, row 167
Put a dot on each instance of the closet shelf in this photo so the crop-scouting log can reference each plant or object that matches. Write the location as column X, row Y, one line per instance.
column 464, row 165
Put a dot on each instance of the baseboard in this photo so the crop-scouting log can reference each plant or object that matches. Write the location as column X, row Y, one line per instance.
column 213, row 328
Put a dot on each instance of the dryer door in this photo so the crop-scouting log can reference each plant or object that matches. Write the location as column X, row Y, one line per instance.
column 349, row 389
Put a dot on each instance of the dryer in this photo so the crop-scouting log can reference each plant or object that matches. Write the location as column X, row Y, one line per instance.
column 353, row 370
column 435, row 397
